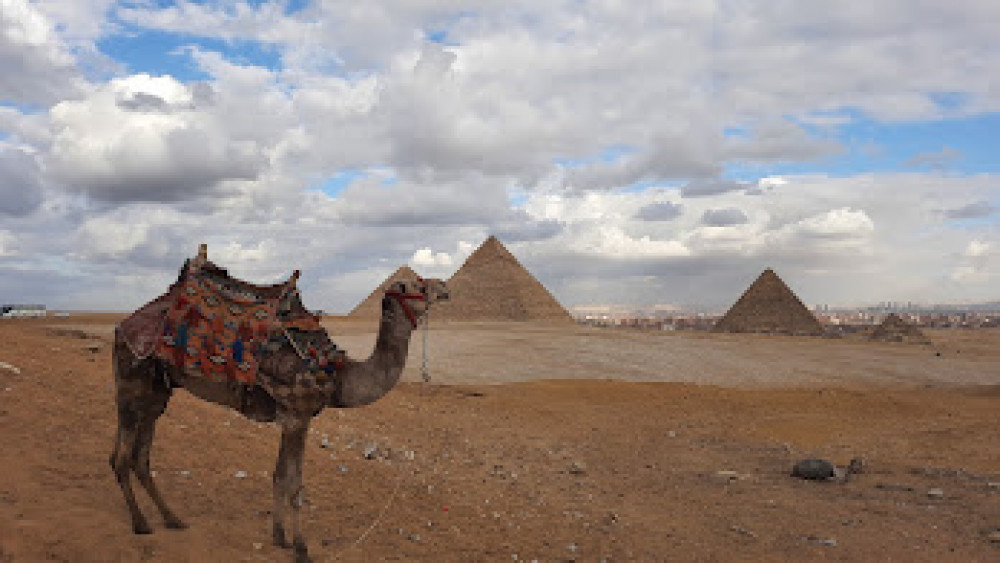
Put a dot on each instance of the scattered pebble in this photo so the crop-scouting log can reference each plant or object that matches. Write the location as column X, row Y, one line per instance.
column 325, row 442
column 578, row 468
column 743, row 531
column 258, row 546
column 371, row 450
column 935, row 493
column 994, row 536
column 993, row 484
column 730, row 475
column 671, row 434
column 9, row 367
column 186, row 473
column 893, row 487
column 828, row 542
column 413, row 537
column 572, row 548
column 240, row 474
column 342, row 468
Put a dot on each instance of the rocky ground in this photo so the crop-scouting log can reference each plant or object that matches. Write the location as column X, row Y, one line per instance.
column 508, row 456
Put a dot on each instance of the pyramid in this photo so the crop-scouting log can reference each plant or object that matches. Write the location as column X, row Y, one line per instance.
column 493, row 286
column 371, row 307
column 769, row 306
column 895, row 329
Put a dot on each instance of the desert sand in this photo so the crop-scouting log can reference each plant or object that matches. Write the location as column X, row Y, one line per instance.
column 533, row 441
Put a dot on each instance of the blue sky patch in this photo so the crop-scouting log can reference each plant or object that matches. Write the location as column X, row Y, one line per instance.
column 339, row 181
column 964, row 145
column 159, row 52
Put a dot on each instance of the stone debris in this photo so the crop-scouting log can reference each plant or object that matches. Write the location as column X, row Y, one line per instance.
column 730, row 476
column 994, row 536
column 258, row 546
column 828, row 542
column 185, row 473
column 935, row 493
column 894, row 487
column 370, row 451
column 995, row 485
column 577, row 468
column 240, row 474
column 742, row 531
column 342, row 468
column 814, row 470
column 9, row 367
column 93, row 347
column 572, row 548
column 325, row 442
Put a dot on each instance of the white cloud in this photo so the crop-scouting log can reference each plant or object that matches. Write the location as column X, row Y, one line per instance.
column 8, row 243
column 36, row 67
column 425, row 257
column 160, row 148
column 979, row 263
column 604, row 121
column 20, row 181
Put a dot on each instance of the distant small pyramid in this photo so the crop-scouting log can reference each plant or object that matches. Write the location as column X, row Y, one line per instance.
column 492, row 285
column 371, row 307
column 895, row 329
column 769, row 306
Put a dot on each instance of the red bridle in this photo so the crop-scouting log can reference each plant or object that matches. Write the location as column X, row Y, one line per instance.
column 402, row 298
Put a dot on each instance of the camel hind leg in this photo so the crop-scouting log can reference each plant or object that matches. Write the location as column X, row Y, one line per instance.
column 141, row 397
column 143, row 445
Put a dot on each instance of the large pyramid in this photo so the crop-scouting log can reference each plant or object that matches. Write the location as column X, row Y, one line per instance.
column 493, row 286
column 895, row 329
column 769, row 306
column 371, row 307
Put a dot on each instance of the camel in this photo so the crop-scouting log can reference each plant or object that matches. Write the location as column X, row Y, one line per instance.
column 144, row 387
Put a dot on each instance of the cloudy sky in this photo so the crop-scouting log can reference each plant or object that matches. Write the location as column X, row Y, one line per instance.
column 628, row 153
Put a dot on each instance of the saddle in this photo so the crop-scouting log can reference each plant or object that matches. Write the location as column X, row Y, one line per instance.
column 212, row 324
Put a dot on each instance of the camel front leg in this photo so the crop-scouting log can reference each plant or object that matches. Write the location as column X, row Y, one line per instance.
column 288, row 491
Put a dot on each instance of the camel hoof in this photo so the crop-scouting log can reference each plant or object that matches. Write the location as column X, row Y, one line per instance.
column 141, row 528
column 175, row 524
column 302, row 554
column 278, row 537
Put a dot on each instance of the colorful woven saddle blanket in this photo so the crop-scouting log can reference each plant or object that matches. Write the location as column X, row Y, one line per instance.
column 219, row 327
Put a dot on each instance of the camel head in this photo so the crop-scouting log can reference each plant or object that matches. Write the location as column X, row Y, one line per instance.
column 414, row 297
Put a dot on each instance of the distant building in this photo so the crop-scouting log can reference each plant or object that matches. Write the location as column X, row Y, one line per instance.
column 11, row 311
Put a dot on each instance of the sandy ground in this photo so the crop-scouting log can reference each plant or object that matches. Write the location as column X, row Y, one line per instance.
column 534, row 442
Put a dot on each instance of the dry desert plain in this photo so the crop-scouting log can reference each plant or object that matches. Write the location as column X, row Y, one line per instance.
column 533, row 442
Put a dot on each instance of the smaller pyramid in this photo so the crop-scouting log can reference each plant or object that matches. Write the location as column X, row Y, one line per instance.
column 493, row 286
column 769, row 306
column 895, row 329
column 371, row 307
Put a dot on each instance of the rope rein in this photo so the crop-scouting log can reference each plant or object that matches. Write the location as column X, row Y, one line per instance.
column 425, row 375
